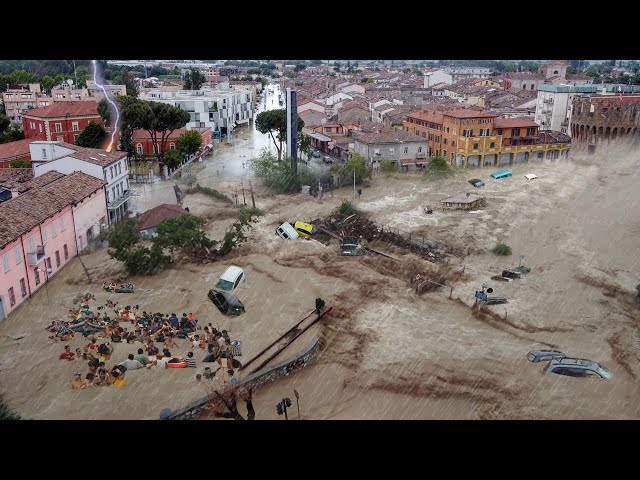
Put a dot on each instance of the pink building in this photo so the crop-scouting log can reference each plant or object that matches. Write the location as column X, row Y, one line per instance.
column 40, row 228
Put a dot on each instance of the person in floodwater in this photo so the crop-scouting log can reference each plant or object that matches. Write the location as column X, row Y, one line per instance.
column 67, row 354
column 77, row 381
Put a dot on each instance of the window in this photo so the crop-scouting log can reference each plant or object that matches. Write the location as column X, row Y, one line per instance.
column 424, row 135
column 172, row 146
column 12, row 297
column 58, row 127
column 475, row 146
column 23, row 288
column 75, row 138
column 54, row 232
column 18, row 253
column 453, row 143
column 113, row 193
column 437, row 138
column 5, row 262
column 60, row 138
column 492, row 145
column 66, row 251
column 61, row 224
column 47, row 262
column 419, row 149
column 74, row 126
column 36, row 275
column 44, row 154
column 58, row 258
column 499, row 131
column 44, row 235
column 454, row 131
column 392, row 152
column 110, row 172
column 376, row 151
column 444, row 140
column 406, row 150
column 139, row 148
column 515, row 132
column 484, row 132
column 40, row 127
column 32, row 245
column 531, row 131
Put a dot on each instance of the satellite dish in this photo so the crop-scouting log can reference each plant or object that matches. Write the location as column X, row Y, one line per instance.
column 489, row 290
column 69, row 82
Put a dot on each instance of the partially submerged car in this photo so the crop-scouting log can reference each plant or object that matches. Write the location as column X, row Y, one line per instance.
column 327, row 159
column 230, row 279
column 476, row 182
column 576, row 367
column 316, row 154
column 351, row 247
column 515, row 274
column 304, row 229
column 226, row 303
column 287, row 232
column 530, row 176
column 536, row 356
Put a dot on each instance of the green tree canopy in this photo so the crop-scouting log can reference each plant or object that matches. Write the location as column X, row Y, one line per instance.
column 182, row 233
column 438, row 167
column 193, row 79
column 12, row 134
column 275, row 121
column 4, row 123
column 358, row 164
column 19, row 164
column 92, row 136
column 104, row 111
column 189, row 142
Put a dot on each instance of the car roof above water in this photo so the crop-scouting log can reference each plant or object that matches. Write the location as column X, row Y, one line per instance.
column 231, row 273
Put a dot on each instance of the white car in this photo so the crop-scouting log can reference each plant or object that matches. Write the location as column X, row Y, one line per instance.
column 576, row 367
column 230, row 279
column 530, row 176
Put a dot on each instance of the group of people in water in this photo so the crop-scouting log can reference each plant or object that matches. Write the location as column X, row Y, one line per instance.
column 158, row 335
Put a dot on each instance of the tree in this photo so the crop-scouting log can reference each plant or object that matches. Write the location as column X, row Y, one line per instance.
column 387, row 166
column 438, row 167
column 304, row 144
column 189, row 142
column 158, row 119
column 358, row 164
column 125, row 78
column 502, row 249
column 193, row 79
column 92, row 136
column 271, row 121
column 172, row 159
column 277, row 176
column 4, row 123
column 12, row 134
column 182, row 233
column 104, row 111
column 19, row 164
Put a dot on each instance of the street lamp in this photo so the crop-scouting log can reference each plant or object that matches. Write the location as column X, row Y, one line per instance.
column 47, row 271
column 281, row 407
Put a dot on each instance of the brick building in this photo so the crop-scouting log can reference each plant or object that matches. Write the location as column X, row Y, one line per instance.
column 143, row 144
column 598, row 122
column 61, row 122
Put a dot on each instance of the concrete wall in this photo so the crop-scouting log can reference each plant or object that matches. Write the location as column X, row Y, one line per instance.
column 89, row 214
column 264, row 376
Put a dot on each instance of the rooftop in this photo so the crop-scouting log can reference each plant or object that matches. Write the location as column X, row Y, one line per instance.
column 63, row 109
column 514, row 122
column 18, row 175
column 388, row 135
column 15, row 149
column 40, row 181
column 155, row 216
column 22, row 213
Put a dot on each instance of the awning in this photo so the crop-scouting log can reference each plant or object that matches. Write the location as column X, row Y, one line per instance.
column 210, row 145
column 320, row 137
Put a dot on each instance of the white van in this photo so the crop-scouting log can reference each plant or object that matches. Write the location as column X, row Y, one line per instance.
column 287, row 232
column 530, row 176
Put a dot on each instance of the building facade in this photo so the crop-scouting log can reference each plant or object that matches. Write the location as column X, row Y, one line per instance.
column 467, row 137
column 397, row 146
column 19, row 100
column 111, row 167
column 143, row 143
column 61, row 122
column 604, row 121
column 221, row 110
column 38, row 231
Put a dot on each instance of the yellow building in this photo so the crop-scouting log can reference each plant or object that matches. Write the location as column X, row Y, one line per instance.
column 471, row 137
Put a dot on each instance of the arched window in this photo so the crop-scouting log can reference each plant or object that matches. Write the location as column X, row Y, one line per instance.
column 139, row 148
column 172, row 146
column 555, row 72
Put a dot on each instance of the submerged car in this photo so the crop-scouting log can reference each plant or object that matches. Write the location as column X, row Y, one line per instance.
column 304, row 229
column 316, row 154
column 350, row 247
column 226, row 303
column 287, row 232
column 576, row 367
column 476, row 182
column 327, row 160
column 230, row 279
column 544, row 355
column 515, row 274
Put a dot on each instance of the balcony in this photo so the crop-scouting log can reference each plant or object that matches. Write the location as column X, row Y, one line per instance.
column 34, row 258
column 421, row 155
column 112, row 205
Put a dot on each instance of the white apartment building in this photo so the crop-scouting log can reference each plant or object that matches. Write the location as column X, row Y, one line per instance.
column 20, row 100
column 112, row 167
column 221, row 109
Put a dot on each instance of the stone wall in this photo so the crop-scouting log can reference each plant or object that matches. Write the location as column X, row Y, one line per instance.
column 256, row 380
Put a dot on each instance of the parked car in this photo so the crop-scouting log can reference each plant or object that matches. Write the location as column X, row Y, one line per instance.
column 476, row 182
column 287, row 232
column 226, row 303
column 304, row 229
column 316, row 154
column 544, row 355
column 530, row 176
column 327, row 160
column 576, row 367
column 350, row 247
column 230, row 279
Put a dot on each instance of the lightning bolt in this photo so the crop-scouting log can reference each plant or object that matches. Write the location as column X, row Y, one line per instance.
column 106, row 95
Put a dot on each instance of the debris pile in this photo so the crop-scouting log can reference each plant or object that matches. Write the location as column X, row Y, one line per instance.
column 360, row 226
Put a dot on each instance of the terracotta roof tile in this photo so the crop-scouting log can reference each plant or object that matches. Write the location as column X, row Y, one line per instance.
column 94, row 155
column 22, row 213
column 388, row 135
column 62, row 109
column 157, row 215
column 18, row 175
column 11, row 150
column 40, row 181
column 514, row 122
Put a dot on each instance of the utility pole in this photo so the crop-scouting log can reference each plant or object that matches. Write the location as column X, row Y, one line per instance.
column 75, row 73
column 244, row 200
column 253, row 200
